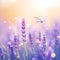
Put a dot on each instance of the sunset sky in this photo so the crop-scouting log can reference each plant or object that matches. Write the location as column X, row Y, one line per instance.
column 27, row 9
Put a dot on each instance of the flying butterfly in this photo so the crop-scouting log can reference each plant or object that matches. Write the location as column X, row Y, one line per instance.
column 39, row 19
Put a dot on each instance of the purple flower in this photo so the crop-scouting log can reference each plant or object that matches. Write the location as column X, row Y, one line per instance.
column 23, row 30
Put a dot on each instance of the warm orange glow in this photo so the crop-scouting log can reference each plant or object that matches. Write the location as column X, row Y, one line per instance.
column 30, row 8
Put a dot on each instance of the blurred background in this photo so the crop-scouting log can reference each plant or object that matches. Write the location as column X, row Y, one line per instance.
column 37, row 16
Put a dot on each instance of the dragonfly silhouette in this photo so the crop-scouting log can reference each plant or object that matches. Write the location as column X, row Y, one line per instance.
column 39, row 19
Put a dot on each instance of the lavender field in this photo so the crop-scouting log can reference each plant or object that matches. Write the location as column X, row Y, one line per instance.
column 29, row 44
